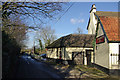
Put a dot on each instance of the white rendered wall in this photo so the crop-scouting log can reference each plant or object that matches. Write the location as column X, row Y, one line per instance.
column 92, row 24
column 51, row 53
column 102, row 51
column 68, row 52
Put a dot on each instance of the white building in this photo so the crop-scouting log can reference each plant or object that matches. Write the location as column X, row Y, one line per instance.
column 73, row 47
column 107, row 32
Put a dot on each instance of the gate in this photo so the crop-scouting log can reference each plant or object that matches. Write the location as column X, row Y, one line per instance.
column 115, row 61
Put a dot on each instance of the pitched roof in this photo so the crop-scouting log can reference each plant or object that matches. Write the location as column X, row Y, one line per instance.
column 110, row 22
column 73, row 40
column 111, row 27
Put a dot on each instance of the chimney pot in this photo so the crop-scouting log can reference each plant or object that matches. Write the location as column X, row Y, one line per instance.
column 93, row 8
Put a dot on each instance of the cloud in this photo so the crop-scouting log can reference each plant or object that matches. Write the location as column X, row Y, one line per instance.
column 81, row 21
column 75, row 21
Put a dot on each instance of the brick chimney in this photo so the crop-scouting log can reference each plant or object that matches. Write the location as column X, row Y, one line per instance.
column 93, row 9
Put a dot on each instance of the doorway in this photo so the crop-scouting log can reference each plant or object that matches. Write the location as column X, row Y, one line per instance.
column 88, row 55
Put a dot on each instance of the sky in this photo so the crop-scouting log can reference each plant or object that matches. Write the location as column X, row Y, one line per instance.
column 77, row 16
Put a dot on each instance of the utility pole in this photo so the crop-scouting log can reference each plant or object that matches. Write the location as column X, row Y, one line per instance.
column 34, row 47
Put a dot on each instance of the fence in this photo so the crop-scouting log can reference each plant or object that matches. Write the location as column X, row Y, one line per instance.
column 114, row 59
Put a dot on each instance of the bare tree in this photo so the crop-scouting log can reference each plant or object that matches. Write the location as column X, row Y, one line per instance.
column 79, row 30
column 15, row 15
column 34, row 10
column 16, row 29
column 47, row 35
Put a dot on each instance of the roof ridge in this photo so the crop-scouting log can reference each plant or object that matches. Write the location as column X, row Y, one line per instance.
column 106, row 11
column 82, row 34
column 74, row 41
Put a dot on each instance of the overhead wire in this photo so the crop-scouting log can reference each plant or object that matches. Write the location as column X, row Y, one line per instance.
column 64, row 13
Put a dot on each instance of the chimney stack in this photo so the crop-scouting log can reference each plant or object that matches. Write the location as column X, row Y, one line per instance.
column 93, row 9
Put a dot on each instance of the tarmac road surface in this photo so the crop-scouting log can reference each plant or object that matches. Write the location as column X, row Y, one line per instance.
column 32, row 69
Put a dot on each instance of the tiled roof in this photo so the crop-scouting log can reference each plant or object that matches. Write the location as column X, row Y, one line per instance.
column 111, row 26
column 73, row 40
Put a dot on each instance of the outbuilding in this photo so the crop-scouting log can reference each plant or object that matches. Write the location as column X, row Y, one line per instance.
column 73, row 47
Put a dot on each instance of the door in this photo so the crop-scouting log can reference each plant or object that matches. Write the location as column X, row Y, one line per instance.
column 88, row 55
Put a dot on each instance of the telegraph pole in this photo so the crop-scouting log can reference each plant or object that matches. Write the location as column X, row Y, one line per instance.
column 34, row 47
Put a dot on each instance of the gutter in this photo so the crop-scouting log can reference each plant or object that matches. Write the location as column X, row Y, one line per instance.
column 114, row 41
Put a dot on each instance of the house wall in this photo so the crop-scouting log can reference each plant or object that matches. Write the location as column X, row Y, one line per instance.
column 113, row 55
column 67, row 52
column 51, row 53
column 102, row 51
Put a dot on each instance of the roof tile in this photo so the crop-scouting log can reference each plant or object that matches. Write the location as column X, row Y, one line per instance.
column 111, row 27
column 73, row 40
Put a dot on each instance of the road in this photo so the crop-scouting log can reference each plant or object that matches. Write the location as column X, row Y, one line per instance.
column 32, row 69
